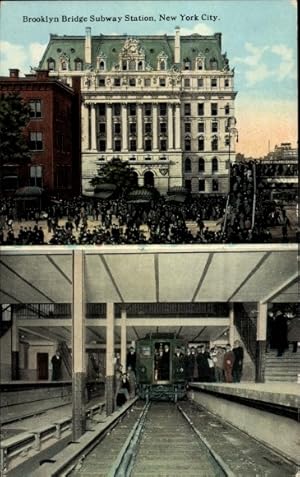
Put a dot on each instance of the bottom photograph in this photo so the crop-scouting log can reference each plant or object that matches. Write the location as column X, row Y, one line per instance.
column 150, row 360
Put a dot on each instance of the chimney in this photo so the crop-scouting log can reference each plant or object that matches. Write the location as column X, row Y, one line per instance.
column 177, row 45
column 42, row 74
column 14, row 73
column 88, row 46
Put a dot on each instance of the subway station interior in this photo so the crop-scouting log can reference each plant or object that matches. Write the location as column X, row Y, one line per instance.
column 93, row 304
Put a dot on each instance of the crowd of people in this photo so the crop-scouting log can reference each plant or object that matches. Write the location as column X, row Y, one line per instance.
column 282, row 330
column 88, row 221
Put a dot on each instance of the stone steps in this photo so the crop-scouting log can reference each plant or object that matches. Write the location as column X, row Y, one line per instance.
column 282, row 368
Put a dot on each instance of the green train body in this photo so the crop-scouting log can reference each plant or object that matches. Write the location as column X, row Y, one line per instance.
column 160, row 373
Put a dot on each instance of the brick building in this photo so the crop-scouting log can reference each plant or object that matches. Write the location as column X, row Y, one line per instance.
column 52, row 133
column 163, row 103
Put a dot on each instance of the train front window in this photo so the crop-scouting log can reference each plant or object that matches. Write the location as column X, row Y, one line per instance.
column 162, row 361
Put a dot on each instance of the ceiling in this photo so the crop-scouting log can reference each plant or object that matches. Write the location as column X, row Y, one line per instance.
column 148, row 274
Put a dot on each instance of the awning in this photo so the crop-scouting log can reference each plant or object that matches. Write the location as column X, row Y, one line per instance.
column 176, row 198
column 30, row 191
column 104, row 194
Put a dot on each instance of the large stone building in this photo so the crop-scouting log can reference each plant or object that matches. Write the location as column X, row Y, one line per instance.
column 163, row 103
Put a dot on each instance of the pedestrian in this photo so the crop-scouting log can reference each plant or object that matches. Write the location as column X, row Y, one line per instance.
column 228, row 364
column 294, row 332
column 56, row 366
column 237, row 369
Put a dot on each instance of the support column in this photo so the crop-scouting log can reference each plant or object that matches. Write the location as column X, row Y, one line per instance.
column 177, row 127
column 170, row 127
column 155, row 127
column 109, row 128
column 85, row 126
column 123, row 339
column 261, row 340
column 15, row 374
column 78, row 346
column 139, row 127
column 124, row 127
column 231, row 324
column 110, row 346
column 93, row 128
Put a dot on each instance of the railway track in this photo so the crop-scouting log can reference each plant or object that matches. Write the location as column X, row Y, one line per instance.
column 165, row 440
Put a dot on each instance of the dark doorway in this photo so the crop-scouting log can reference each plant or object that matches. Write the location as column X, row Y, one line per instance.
column 149, row 179
column 42, row 365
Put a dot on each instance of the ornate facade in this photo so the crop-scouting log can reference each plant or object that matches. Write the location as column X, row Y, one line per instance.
column 163, row 103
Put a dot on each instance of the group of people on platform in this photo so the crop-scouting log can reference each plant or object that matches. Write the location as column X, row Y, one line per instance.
column 217, row 364
column 282, row 330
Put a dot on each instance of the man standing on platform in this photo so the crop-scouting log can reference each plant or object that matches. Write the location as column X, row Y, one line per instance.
column 131, row 358
column 56, row 366
column 228, row 364
column 237, row 369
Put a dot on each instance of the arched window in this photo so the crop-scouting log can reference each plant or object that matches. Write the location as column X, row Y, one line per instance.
column 64, row 66
column 187, row 64
column 102, row 65
column 187, row 165
column 140, row 65
column 51, row 64
column 132, row 65
column 78, row 64
column 200, row 65
column 201, row 164
column 162, row 65
column 187, row 144
column 201, row 143
column 214, row 165
column 213, row 64
column 215, row 185
column 149, row 179
column 214, row 143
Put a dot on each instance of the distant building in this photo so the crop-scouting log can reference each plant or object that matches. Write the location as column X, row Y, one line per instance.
column 162, row 103
column 52, row 134
column 284, row 152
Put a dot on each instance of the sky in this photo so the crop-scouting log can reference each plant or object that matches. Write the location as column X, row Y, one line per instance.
column 259, row 36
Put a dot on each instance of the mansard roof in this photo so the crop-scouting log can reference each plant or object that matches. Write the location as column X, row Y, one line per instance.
column 190, row 48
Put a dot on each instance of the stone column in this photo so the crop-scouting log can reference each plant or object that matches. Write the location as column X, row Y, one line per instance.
column 170, row 127
column 93, row 128
column 139, row 127
column 123, row 338
column 15, row 374
column 261, row 340
column 231, row 324
column 177, row 127
column 124, row 127
column 110, row 347
column 78, row 346
column 155, row 127
column 85, row 126
column 109, row 128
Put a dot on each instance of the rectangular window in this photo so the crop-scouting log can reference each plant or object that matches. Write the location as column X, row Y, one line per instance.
column 187, row 127
column 200, row 109
column 148, row 145
column 102, row 145
column 117, row 145
column 132, row 145
column 102, row 109
column 78, row 65
column 131, row 81
column 162, row 82
column 60, row 141
column 213, row 82
column 147, row 82
column 117, row 82
column 214, row 127
column 162, row 109
column 214, row 109
column 101, row 81
column 35, row 108
column 163, row 128
column 117, row 128
column 147, row 109
column 187, row 82
column 36, row 176
column 102, row 128
column 187, row 144
column 148, row 128
column 117, row 109
column 226, row 83
column 187, row 109
column 132, row 109
column 163, row 145
column 215, row 185
column 200, row 83
column 201, row 186
column 201, row 144
column 36, row 141
column 132, row 128
column 200, row 127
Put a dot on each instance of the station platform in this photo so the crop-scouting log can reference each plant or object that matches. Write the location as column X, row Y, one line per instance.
column 268, row 412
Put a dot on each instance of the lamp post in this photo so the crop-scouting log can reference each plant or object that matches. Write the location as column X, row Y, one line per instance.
column 232, row 132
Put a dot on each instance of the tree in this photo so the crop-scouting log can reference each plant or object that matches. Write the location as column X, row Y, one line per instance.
column 119, row 173
column 14, row 116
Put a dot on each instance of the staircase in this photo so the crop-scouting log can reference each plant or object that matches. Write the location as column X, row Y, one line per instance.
column 283, row 368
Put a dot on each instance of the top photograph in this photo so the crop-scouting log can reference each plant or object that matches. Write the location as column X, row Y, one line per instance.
column 163, row 122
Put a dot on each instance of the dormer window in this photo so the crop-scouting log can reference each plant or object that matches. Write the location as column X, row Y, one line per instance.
column 140, row 66
column 64, row 66
column 101, row 65
column 187, row 64
column 132, row 65
column 78, row 64
column 124, row 65
column 213, row 64
column 162, row 65
column 51, row 64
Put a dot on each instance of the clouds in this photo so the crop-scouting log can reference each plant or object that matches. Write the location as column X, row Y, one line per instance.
column 263, row 62
column 17, row 56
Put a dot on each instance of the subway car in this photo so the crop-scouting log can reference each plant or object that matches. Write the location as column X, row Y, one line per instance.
column 160, row 367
